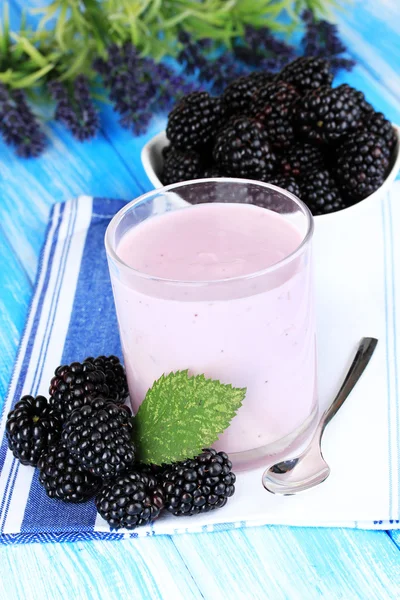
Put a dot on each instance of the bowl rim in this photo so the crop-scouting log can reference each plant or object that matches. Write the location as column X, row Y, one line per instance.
column 390, row 177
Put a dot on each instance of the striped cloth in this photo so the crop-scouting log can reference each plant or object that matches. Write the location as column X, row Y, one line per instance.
column 72, row 316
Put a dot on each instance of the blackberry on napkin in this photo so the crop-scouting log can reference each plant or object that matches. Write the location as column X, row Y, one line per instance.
column 98, row 436
column 74, row 385
column 31, row 427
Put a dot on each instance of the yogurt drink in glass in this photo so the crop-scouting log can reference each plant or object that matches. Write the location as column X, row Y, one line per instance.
column 222, row 287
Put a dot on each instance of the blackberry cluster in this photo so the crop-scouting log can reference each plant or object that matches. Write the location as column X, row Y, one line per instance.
column 74, row 385
column 286, row 182
column 130, row 500
column 238, row 96
column 326, row 114
column 361, row 163
column 307, row 73
column 323, row 195
column 92, row 455
column 99, row 436
column 115, row 375
column 273, row 106
column 182, row 165
column 63, row 478
column 192, row 122
column 88, row 439
column 31, row 427
column 198, row 485
column 242, row 149
column 301, row 159
column 325, row 144
column 377, row 124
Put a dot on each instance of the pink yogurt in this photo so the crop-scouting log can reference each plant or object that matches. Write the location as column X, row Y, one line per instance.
column 254, row 330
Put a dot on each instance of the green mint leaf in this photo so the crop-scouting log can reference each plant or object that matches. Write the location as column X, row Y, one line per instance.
column 181, row 415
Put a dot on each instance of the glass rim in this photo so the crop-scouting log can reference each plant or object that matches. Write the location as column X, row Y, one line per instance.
column 117, row 218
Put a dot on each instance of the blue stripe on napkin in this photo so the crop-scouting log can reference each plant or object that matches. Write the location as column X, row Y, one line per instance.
column 55, row 222
column 391, row 351
column 93, row 326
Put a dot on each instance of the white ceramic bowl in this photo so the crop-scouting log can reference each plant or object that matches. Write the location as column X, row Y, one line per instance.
column 152, row 161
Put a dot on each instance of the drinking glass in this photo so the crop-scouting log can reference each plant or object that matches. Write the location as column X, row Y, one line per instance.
column 255, row 331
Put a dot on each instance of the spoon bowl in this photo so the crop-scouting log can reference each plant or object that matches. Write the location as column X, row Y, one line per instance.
column 310, row 468
column 298, row 474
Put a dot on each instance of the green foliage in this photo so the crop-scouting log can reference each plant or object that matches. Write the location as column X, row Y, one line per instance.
column 181, row 415
column 71, row 33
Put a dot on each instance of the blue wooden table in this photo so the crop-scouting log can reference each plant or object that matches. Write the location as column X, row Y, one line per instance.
column 265, row 562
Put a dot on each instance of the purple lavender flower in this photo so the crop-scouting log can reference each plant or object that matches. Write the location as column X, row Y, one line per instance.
column 18, row 125
column 321, row 39
column 261, row 49
column 139, row 86
column 75, row 108
column 89, row 122
column 191, row 56
column 221, row 71
column 211, row 67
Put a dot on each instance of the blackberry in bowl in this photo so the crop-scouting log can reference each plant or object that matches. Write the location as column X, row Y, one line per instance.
column 242, row 149
column 281, row 129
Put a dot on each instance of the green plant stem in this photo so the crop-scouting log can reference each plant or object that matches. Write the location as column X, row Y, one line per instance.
column 71, row 33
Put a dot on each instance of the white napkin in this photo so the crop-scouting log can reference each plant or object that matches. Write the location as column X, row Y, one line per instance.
column 357, row 263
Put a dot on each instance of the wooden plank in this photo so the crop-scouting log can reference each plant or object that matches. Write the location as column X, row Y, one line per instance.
column 395, row 536
column 258, row 563
column 283, row 563
column 67, row 168
column 145, row 569
column 14, row 298
column 372, row 31
column 152, row 568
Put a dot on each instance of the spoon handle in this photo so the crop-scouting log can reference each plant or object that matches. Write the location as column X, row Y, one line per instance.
column 363, row 355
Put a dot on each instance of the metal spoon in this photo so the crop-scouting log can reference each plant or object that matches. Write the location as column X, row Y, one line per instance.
column 309, row 468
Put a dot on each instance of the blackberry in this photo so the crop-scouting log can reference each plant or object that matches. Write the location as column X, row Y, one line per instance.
column 307, row 73
column 165, row 151
column 31, row 427
column 321, row 193
column 274, row 108
column 362, row 162
column 74, row 385
column 130, row 500
column 238, row 95
column 150, row 469
column 193, row 121
column 181, row 166
column 286, row 183
column 242, row 149
column 300, row 159
column 209, row 191
column 212, row 171
column 99, row 435
column 377, row 124
column 365, row 107
column 63, row 478
column 271, row 96
column 198, row 485
column 115, row 375
column 327, row 114
column 261, row 78
column 270, row 198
